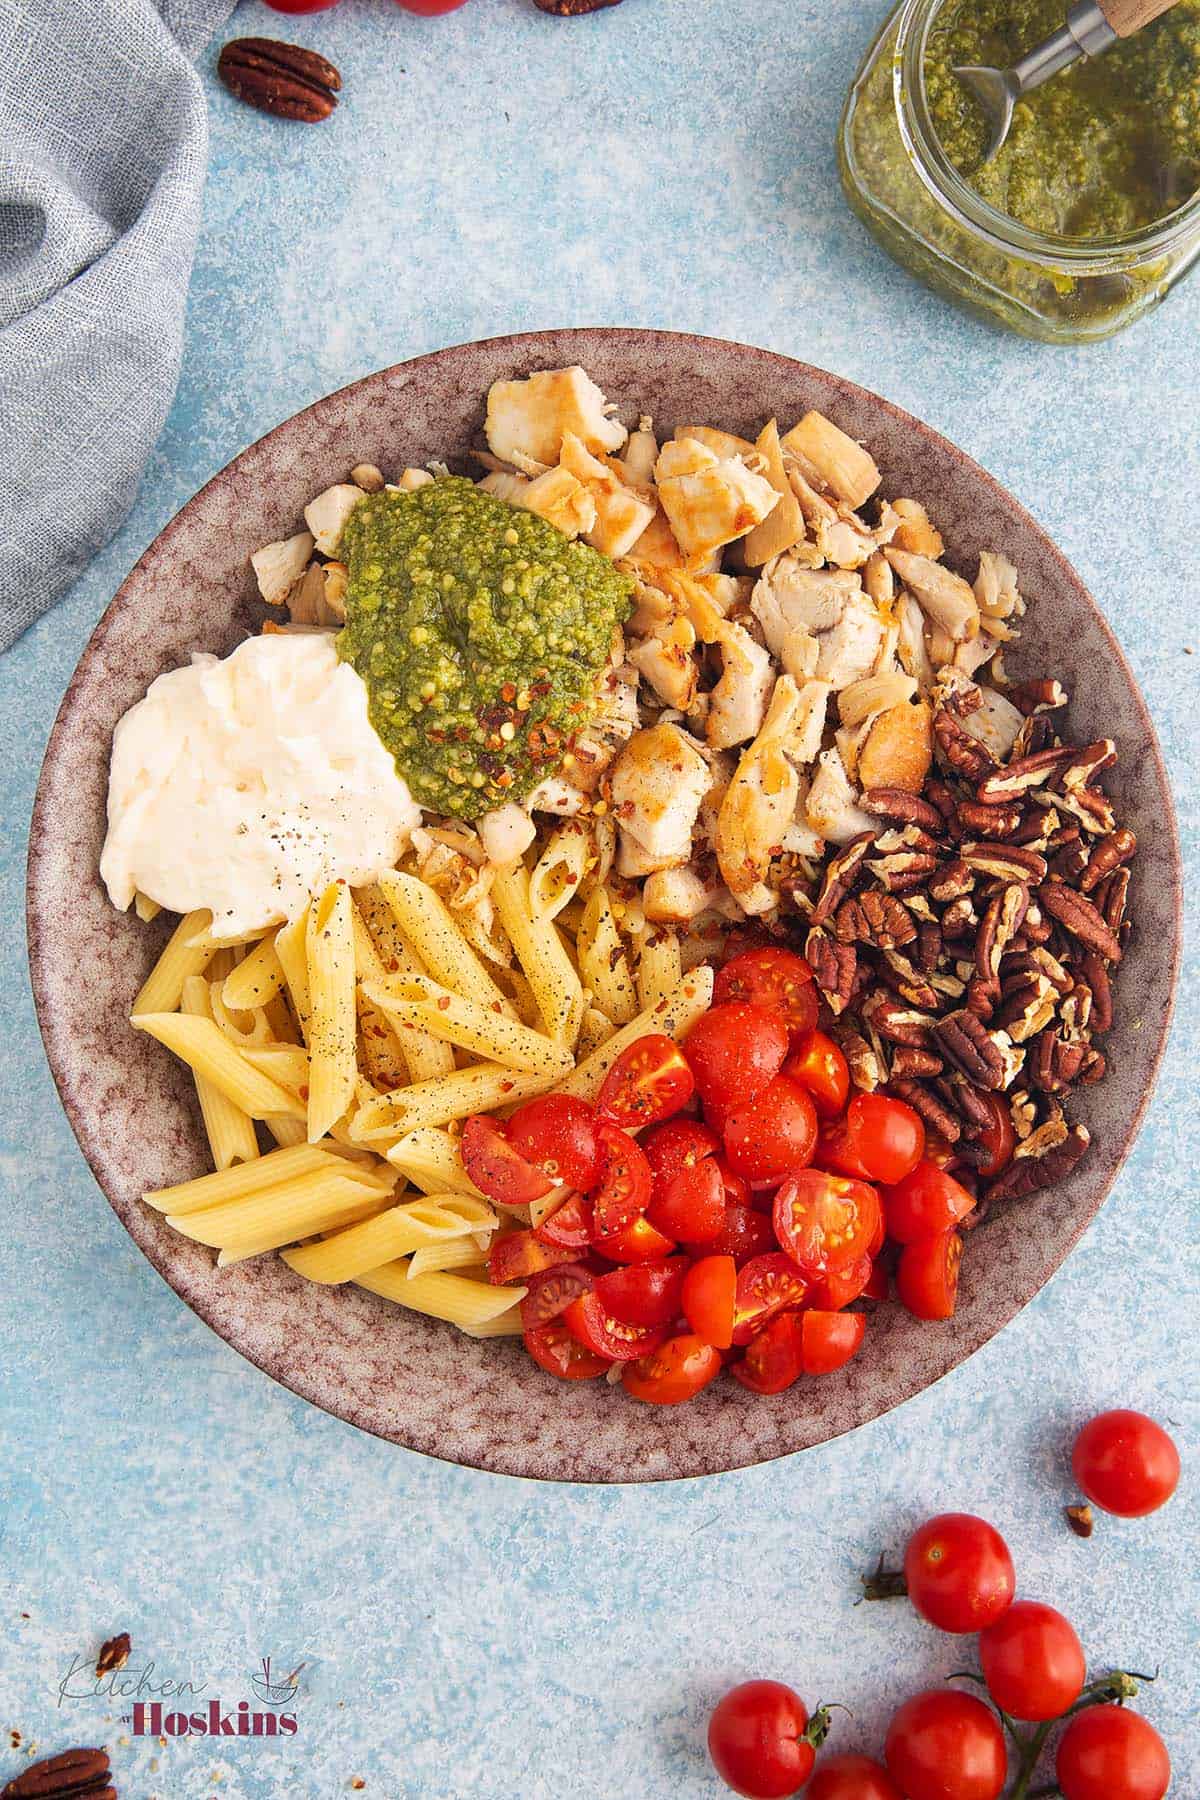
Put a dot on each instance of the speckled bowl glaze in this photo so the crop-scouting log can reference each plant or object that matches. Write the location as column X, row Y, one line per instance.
column 413, row 1381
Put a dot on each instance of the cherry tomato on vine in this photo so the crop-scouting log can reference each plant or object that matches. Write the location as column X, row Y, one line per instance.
column 765, row 1286
column 649, row 1081
column 761, row 1742
column 774, row 1357
column 709, row 1293
column 572, row 1226
column 824, row 1221
column 554, row 1349
column 773, row 1134
column 558, row 1134
column 775, row 978
column 818, row 1065
column 1032, row 1661
column 625, row 1182
column 672, row 1373
column 943, row 1745
column 744, row 1235
column 552, row 1291
column 851, row 1778
column 591, row 1324
column 521, row 1254
column 959, row 1572
column 647, row 1294
column 925, row 1202
column 734, row 1050
column 1125, row 1463
column 830, row 1339
column 997, row 1138
column 1110, row 1753
column 496, row 1167
column 927, row 1275
column 886, row 1135
column 691, row 1208
column 638, row 1243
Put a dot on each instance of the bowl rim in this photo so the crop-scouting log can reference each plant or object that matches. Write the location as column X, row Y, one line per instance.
column 521, row 346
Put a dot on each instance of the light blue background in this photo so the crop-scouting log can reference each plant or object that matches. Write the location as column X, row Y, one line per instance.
column 665, row 163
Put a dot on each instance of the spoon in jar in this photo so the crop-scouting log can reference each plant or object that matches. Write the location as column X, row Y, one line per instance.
column 1092, row 25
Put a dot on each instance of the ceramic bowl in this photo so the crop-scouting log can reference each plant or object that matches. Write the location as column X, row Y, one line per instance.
column 410, row 1380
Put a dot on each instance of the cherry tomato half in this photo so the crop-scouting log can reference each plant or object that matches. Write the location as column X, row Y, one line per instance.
column 886, row 1135
column 520, row 1254
column 835, row 1151
column 672, row 1373
column 773, row 1135
column 594, row 1327
column 927, row 1275
column 757, row 1741
column 838, row 1287
column 959, row 1572
column 925, row 1202
column 496, row 1168
column 625, row 1182
column 638, row 1243
column 824, row 1221
column 572, row 1226
column 745, row 1234
column 774, row 1357
column 775, row 978
column 1125, row 1463
column 558, row 1133
column 734, row 1050
column 943, row 1745
column 649, row 1081
column 691, row 1208
column 818, row 1065
column 552, row 1291
column 554, row 1349
column 997, row 1139
column 830, row 1339
column 647, row 1294
column 709, row 1292
column 851, row 1778
column 1110, row 1753
column 765, row 1286
column 676, row 1146
column 1032, row 1661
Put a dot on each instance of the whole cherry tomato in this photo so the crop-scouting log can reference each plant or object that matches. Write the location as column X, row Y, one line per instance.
column 709, row 1292
column 774, row 1356
column 765, row 1286
column 745, row 1234
column 959, row 1572
column 625, row 1182
column 818, row 1065
column 997, row 1139
column 521, row 1254
column 558, row 1133
column 773, row 1134
column 294, row 8
column 649, row 1081
column 497, row 1169
column 1032, row 1661
column 760, row 1740
column 775, row 978
column 943, row 1745
column 1125, row 1463
column 638, row 1243
column 925, row 1202
column 886, row 1135
column 552, row 1291
column 830, row 1339
column 734, row 1050
column 672, row 1373
column 677, row 1146
column 571, row 1226
column 430, row 9
column 824, row 1221
column 588, row 1320
column 647, row 1293
column 927, row 1275
column 851, row 1778
column 1110, row 1753
column 554, row 1349
column 691, row 1208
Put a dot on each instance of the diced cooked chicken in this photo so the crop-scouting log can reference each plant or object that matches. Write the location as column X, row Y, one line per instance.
column 945, row 597
column 850, row 650
column 789, row 595
column 760, row 804
column 554, row 795
column 657, row 784
column 996, row 586
column 899, row 748
column 612, row 724
column 995, row 722
column 873, row 694
column 665, row 659
column 847, row 543
column 320, row 598
column 848, row 741
column 326, row 515
column 724, row 444
column 674, row 896
column 784, row 524
column 506, row 833
column 709, row 500
column 529, row 418
column 911, row 647
column 808, row 726
column 915, row 532
column 739, row 700
column 878, row 579
column 412, row 479
column 621, row 515
column 505, row 485
column 971, row 656
column 561, row 500
column 842, row 464
column 640, row 455
column 831, row 807
column 278, row 567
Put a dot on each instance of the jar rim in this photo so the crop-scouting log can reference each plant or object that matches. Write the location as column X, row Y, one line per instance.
column 968, row 208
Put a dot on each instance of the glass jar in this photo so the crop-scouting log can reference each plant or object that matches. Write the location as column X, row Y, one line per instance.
column 902, row 185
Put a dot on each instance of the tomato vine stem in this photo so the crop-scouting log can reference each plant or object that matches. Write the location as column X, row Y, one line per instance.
column 882, row 1583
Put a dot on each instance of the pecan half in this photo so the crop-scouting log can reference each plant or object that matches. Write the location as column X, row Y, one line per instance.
column 1002, row 919
column 988, row 821
column 903, row 979
column 967, row 1102
column 1111, row 898
column 1095, row 973
column 903, row 808
column 839, row 877
column 877, row 919
column 72, row 1773
column 834, row 967
column 903, row 871
column 1024, row 773
column 910, row 1061
column 114, row 1653
column 1076, row 914
column 959, row 919
column 1092, row 808
column 929, row 947
column 931, row 1109
column 965, row 754
column 1037, row 733
column 1056, row 1063
column 1005, row 862
column 951, row 881
column 1029, row 1174
column 1028, row 1006
column 964, row 1041
column 866, row 1071
column 1069, row 863
column 1107, row 855
column 1037, row 696
column 899, row 1024
column 1084, row 765
column 284, row 79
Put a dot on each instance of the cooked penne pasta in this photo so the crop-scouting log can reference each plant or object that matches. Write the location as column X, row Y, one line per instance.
column 332, row 1023
column 556, row 876
column 425, row 1056
column 229, row 1130
column 674, row 1016
column 505, row 1324
column 162, row 988
column 381, row 1053
column 432, row 1160
column 426, row 924
column 415, row 1001
column 209, row 1053
column 256, row 979
column 595, row 1030
column 603, row 964
column 291, row 947
column 145, row 908
column 409, row 1226
column 540, row 951
column 271, row 1170
column 480, row 1088
column 288, row 1131
column 467, row 1304
column 251, row 1247
column 455, row 1253
column 308, row 1203
column 659, row 966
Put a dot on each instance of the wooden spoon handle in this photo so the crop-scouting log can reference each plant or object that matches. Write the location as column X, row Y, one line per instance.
column 1128, row 16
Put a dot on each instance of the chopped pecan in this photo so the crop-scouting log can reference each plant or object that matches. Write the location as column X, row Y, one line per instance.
column 114, row 1653
column 942, row 796
column 1002, row 919
column 877, row 919
column 934, row 1112
column 1037, row 928
column 1092, row 808
column 929, row 947
column 834, row 967
column 911, row 1061
column 1111, row 898
column 73, row 1773
column 951, row 881
column 964, row 1041
column 839, row 877
column 1022, row 774
column 1056, row 1063
column 981, row 998
column 1037, row 696
column 1030, row 1173
column 1107, row 855
column 899, row 1024
column 959, row 920
column 1095, row 1066
column 967, row 1102
column 1027, row 1007
column 1037, row 733
column 904, row 870
column 903, row 808
column 988, row 821
column 965, row 754
column 1004, row 862
column 901, row 976
column 1076, row 914
column 1076, row 1011
column 1069, row 863
column 866, row 1071
column 1095, row 974
column 1083, row 766
column 1080, row 1519
column 279, row 78
column 1037, row 828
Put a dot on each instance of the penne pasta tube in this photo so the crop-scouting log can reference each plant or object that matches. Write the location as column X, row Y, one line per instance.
column 380, row 1050
column 480, row 1088
column 432, row 1160
column 426, row 924
column 230, row 1131
column 424, row 1056
column 556, row 876
column 674, row 1016
column 287, row 1131
column 391, row 1234
column 409, row 1001
column 541, row 953
column 372, row 1204
column 291, row 941
column 455, row 1253
column 595, row 1030
column 659, row 965
column 603, row 964
column 257, row 978
column 505, row 1324
column 206, row 1051
column 332, row 1023
column 272, row 1217
column 467, row 1304
column 205, row 938
column 163, row 987
column 235, row 1184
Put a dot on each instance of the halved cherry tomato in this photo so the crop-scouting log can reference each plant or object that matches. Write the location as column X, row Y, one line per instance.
column 554, row 1349
column 927, row 1276
column 774, row 1357
column 765, row 1286
column 709, row 1291
column 997, row 1138
column 838, row 1287
column 558, row 1133
column 649, row 1081
column 835, row 1151
column 775, row 978
column 886, row 1135
column 878, row 1285
column 520, row 1254
column 824, row 1221
column 938, row 1149
column 572, row 1226
column 734, row 1050
column 552, row 1291
column 638, row 1243
column 773, row 1135
column 737, row 1188
column 691, row 1209
column 675, row 1146
column 625, row 1181
column 830, row 1339
column 674, row 1372
column 645, row 1294
column 925, row 1202
column 745, row 1234
column 588, row 1320
column 818, row 1065
column 496, row 1168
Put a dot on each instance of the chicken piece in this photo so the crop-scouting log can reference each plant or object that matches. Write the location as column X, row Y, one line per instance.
column 674, row 896
column 657, row 784
column 724, row 444
column 784, row 524
column 789, row 595
column 899, row 749
column 621, row 516
column 848, row 741
column 562, row 500
column 995, row 722
column 554, row 795
column 529, row 418
column 709, row 501
column 878, row 578
column 278, row 567
column 831, row 807
column 665, row 659
column 506, row 833
column 808, row 726
column 738, row 702
column 411, row 480
column 971, row 656
column 506, row 486
column 849, row 650
column 996, row 586
column 641, row 454
column 911, row 647
column 320, row 598
column 842, row 464
column 760, row 804
column 915, row 533
column 326, row 515
column 612, row 724
column 872, row 695
column 945, row 597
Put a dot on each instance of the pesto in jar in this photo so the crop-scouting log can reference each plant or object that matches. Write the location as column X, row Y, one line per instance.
column 480, row 631
column 1105, row 148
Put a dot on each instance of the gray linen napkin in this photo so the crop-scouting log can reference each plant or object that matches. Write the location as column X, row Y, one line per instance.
column 103, row 138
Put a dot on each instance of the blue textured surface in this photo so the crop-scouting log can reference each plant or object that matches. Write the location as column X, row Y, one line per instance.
column 669, row 162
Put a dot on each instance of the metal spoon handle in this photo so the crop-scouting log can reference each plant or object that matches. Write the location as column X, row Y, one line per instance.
column 1086, row 33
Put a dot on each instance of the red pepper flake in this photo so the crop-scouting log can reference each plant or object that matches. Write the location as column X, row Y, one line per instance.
column 303, row 1091
column 506, row 1087
column 443, row 1003
column 393, row 965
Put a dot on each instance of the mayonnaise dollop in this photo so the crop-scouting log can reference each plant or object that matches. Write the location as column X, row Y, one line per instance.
column 248, row 784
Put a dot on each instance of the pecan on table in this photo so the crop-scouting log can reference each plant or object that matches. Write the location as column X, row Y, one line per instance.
column 284, row 79
column 114, row 1653
column 72, row 1775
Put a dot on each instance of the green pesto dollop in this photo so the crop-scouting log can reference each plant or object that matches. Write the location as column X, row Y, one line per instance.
column 1105, row 148
column 479, row 631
